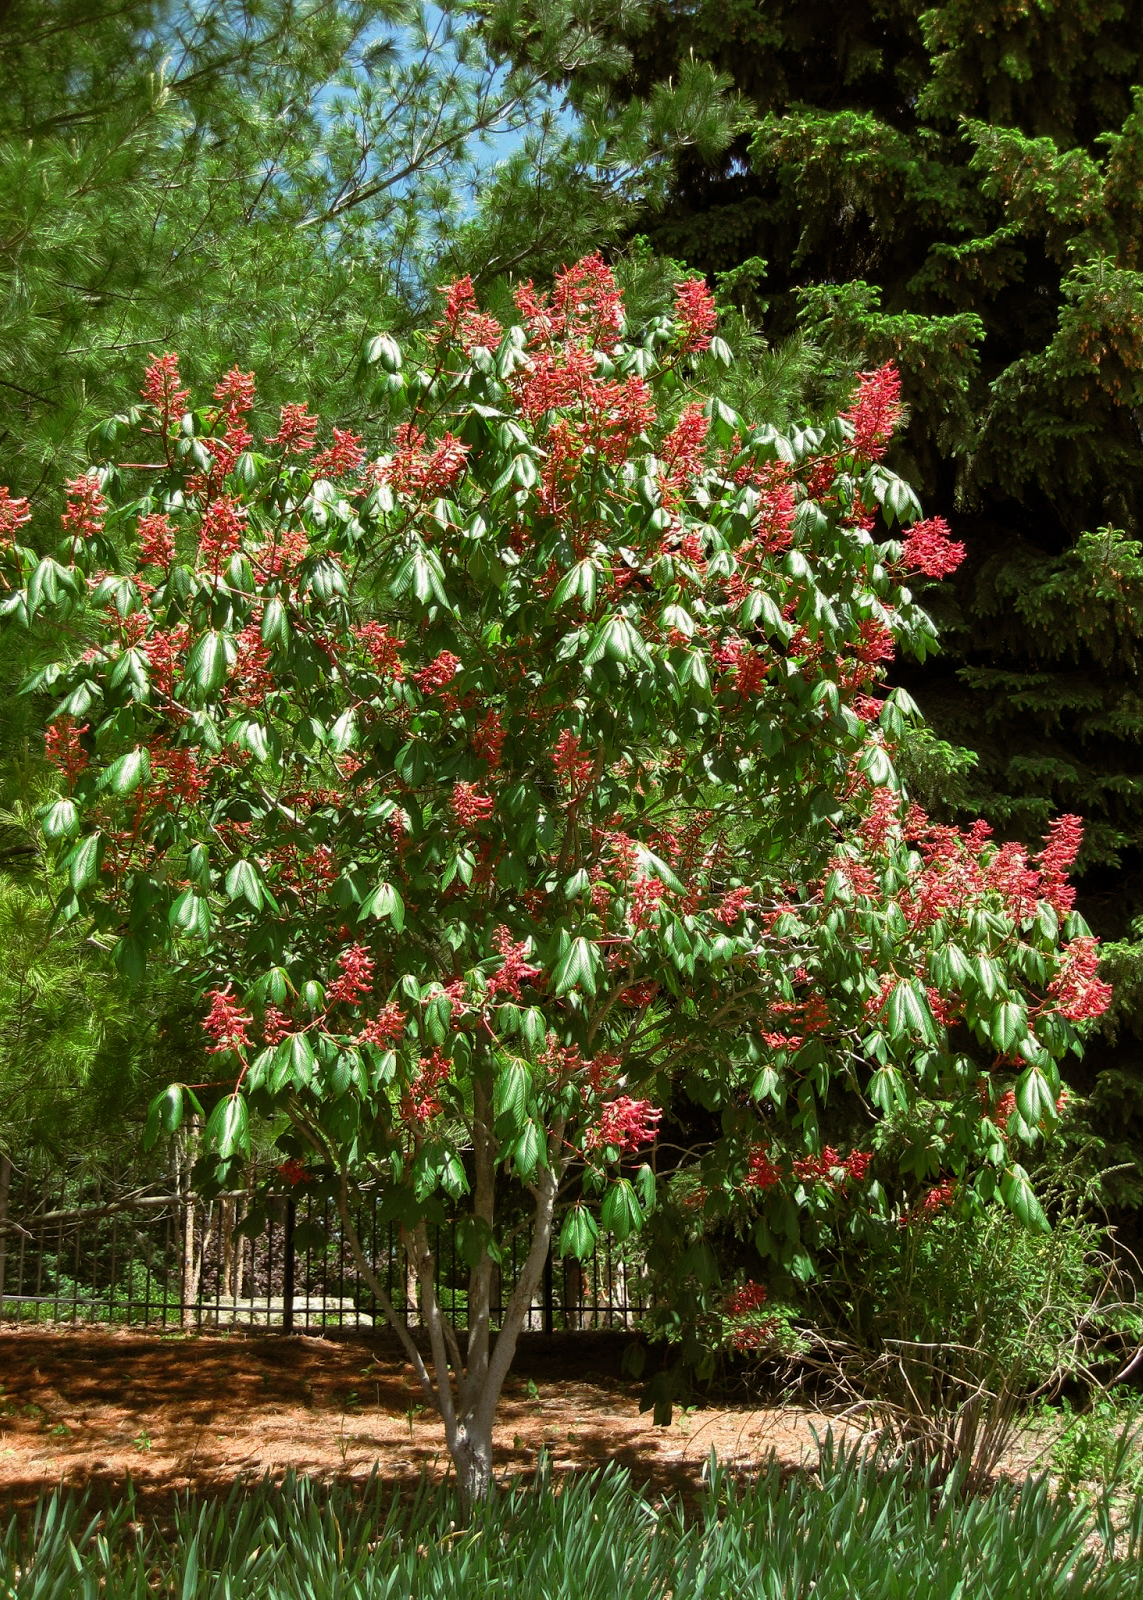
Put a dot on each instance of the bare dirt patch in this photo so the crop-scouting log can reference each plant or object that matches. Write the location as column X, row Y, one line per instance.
column 91, row 1407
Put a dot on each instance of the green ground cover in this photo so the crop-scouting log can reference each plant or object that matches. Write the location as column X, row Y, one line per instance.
column 852, row 1529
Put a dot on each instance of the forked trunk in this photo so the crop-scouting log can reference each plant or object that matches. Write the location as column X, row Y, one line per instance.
column 464, row 1389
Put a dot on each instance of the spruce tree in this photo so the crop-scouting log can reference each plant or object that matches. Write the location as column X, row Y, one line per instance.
column 957, row 188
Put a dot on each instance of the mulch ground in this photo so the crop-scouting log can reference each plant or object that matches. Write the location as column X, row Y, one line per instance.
column 88, row 1408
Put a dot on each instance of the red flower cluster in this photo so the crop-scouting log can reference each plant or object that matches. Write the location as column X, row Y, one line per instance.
column 1080, row 995
column 646, row 894
column 340, row 459
column 929, row 549
column 463, row 323
column 227, row 1023
column 383, row 650
column 742, row 1306
column 469, row 806
column 821, row 1168
column 732, row 905
column 941, row 1197
column 439, row 672
column 156, row 541
column 63, row 748
column 13, row 514
column 488, row 738
column 220, row 532
column 164, row 651
column 386, row 1028
column 515, row 969
column 1056, row 859
column 86, row 507
column 761, row 1171
column 161, row 389
column 624, row 1124
column 297, row 432
column 178, row 775
column 414, row 469
column 741, row 1302
column 422, row 1100
column 571, row 760
column 695, row 313
column 587, row 304
column 875, row 412
column 681, row 452
column 292, row 1172
column 356, row 977
column 235, row 394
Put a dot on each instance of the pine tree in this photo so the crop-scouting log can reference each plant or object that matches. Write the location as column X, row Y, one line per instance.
column 958, row 188
column 274, row 179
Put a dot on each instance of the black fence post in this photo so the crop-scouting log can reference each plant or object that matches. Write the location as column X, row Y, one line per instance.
column 288, row 1271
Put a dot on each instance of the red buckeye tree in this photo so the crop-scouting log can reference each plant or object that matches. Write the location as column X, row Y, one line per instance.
column 494, row 786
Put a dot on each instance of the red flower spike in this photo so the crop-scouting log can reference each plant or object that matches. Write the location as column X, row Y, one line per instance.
column 929, row 549
column 515, row 968
column 355, row 978
column 488, row 739
column 341, row 459
column 156, row 541
column 86, row 507
column 696, row 314
column 386, row 1029
column 298, row 430
column 469, row 806
column 438, row 673
column 235, row 393
column 383, row 650
column 624, row 1124
column 161, row 390
column 63, row 748
column 227, row 1024
column 13, row 515
column 875, row 412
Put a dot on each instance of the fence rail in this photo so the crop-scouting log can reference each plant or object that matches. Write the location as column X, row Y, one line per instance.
column 98, row 1246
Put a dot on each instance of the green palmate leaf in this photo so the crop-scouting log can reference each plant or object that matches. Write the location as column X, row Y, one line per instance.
column 228, row 1127
column 191, row 914
column 1020, row 1198
column 576, row 969
column 577, row 584
column 530, row 1151
column 84, row 861
column 209, row 662
column 620, row 1212
column 128, row 772
column 1008, row 1024
column 243, row 881
column 908, row 1013
column 165, row 1114
column 1034, row 1098
column 275, row 623
column 385, row 901
column 578, row 1233
column 513, row 1087
column 60, row 820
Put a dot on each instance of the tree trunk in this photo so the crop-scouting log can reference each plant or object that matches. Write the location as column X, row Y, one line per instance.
column 471, row 1452
column 465, row 1392
column 226, row 1232
column 191, row 1268
column 5, row 1181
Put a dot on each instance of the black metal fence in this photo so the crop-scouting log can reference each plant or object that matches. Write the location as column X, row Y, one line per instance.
column 97, row 1245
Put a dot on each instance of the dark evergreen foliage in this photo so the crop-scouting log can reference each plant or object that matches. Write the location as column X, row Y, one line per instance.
column 960, row 187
